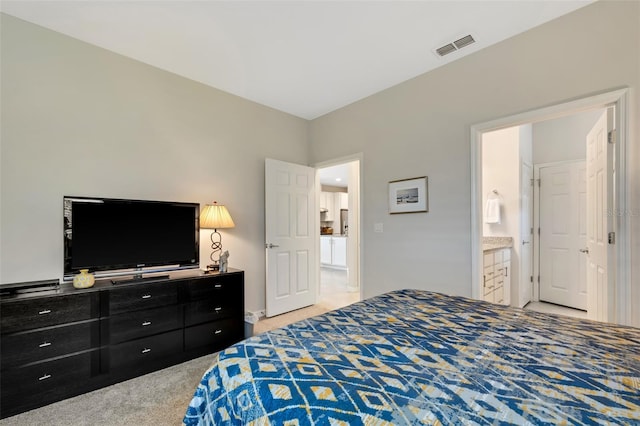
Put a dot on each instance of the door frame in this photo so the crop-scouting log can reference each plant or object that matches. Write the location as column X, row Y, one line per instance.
column 523, row 234
column 619, row 288
column 356, row 264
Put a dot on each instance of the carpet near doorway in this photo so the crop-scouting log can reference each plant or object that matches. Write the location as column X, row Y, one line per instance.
column 158, row 398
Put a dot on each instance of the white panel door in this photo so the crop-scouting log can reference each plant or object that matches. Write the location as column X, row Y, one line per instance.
column 526, row 252
column 599, row 219
column 563, row 191
column 291, row 236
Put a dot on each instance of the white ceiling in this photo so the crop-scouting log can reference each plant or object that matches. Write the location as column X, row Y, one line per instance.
column 306, row 58
column 335, row 175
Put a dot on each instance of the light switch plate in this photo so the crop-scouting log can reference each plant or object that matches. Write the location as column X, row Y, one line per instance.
column 378, row 227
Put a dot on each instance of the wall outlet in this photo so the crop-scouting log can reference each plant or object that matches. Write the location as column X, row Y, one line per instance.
column 378, row 227
column 260, row 314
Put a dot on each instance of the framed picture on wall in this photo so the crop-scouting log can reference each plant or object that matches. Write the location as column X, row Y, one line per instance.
column 408, row 195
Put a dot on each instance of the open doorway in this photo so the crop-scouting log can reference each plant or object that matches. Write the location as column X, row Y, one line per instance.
column 548, row 256
column 612, row 302
column 339, row 195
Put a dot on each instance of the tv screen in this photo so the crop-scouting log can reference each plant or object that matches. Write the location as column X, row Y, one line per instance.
column 102, row 234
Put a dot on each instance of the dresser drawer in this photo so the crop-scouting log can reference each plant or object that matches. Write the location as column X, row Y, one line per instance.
column 221, row 286
column 217, row 334
column 211, row 310
column 43, row 312
column 489, row 285
column 42, row 379
column 26, row 347
column 142, row 296
column 138, row 324
column 498, row 294
column 147, row 350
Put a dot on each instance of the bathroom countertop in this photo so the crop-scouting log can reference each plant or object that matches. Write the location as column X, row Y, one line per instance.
column 493, row 243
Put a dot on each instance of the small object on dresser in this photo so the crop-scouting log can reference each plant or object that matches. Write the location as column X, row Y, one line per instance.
column 223, row 261
column 84, row 279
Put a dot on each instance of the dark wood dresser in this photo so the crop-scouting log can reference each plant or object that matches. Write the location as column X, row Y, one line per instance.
column 63, row 342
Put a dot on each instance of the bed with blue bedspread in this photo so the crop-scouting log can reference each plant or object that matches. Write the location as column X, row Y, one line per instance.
column 417, row 357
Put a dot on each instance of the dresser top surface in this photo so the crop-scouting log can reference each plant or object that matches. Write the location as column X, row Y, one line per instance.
column 67, row 288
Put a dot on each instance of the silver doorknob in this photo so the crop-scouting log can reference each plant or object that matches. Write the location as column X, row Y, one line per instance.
column 584, row 250
column 271, row 245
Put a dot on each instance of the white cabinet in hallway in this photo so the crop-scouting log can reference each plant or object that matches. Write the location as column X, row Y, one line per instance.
column 339, row 252
column 325, row 250
column 333, row 251
column 497, row 275
column 331, row 203
column 327, row 206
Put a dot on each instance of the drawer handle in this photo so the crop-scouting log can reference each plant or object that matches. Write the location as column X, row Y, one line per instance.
column 44, row 345
column 218, row 286
column 218, row 309
column 146, row 296
column 45, row 377
column 146, row 350
column 217, row 332
column 146, row 323
column 46, row 311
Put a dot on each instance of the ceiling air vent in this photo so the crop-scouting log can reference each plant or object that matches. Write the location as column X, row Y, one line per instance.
column 446, row 49
column 464, row 41
column 453, row 46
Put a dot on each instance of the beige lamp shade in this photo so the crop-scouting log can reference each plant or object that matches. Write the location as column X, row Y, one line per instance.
column 215, row 216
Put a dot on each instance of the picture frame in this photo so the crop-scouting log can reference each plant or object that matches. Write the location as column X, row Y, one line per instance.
column 409, row 195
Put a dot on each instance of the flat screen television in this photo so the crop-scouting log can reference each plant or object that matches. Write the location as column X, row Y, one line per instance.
column 112, row 237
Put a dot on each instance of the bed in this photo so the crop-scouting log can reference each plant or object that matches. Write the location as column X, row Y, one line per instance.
column 418, row 357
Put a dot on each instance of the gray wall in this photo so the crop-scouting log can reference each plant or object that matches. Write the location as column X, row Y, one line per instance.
column 563, row 139
column 79, row 120
column 422, row 127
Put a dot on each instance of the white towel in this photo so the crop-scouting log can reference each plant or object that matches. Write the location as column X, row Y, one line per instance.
column 492, row 211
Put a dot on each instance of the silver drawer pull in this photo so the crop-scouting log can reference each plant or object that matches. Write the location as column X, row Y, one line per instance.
column 146, row 296
column 218, row 286
column 217, row 309
column 146, row 323
column 46, row 311
column 45, row 377
column 44, row 345
column 146, row 350
column 217, row 332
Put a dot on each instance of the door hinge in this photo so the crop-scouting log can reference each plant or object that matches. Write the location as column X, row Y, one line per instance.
column 532, row 181
column 538, row 231
column 539, row 183
column 531, row 231
column 612, row 237
column 538, row 279
column 531, row 278
column 611, row 136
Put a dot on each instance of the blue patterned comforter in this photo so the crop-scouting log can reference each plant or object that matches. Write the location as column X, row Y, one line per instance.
column 416, row 357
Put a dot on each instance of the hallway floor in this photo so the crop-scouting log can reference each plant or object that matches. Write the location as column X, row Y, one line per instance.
column 550, row 308
column 333, row 289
